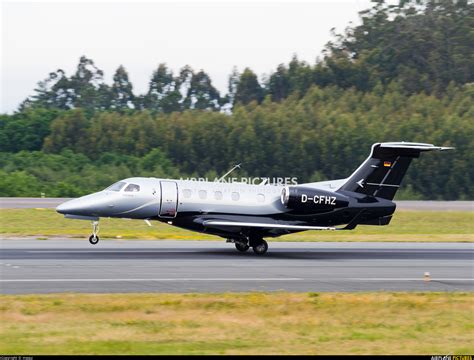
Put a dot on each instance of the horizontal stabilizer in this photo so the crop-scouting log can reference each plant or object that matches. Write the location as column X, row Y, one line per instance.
column 415, row 146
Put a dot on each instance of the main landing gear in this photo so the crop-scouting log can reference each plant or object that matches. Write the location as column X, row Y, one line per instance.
column 94, row 239
column 242, row 246
column 258, row 245
column 261, row 247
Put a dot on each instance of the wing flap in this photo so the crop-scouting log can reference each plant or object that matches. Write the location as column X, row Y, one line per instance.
column 263, row 225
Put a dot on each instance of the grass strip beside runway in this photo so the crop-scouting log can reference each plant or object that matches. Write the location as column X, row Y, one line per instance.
column 238, row 323
column 446, row 226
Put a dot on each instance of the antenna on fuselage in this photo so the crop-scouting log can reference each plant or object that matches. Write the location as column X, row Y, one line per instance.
column 228, row 172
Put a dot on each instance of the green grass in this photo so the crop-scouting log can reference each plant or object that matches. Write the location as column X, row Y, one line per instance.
column 405, row 226
column 238, row 323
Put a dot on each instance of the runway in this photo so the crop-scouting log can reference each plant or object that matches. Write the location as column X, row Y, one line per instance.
column 30, row 203
column 50, row 266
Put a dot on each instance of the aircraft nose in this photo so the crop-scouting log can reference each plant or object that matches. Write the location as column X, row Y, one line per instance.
column 61, row 208
column 68, row 207
column 86, row 205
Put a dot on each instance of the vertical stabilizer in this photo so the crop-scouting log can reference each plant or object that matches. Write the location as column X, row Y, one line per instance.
column 382, row 173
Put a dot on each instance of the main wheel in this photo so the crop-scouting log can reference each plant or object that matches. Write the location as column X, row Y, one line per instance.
column 93, row 239
column 260, row 248
column 242, row 247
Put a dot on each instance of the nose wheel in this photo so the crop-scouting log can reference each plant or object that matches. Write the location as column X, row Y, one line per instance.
column 94, row 239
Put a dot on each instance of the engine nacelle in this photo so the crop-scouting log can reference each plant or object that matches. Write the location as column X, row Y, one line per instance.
column 305, row 200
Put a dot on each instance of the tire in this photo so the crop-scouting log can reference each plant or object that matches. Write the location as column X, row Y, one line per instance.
column 93, row 239
column 242, row 247
column 260, row 248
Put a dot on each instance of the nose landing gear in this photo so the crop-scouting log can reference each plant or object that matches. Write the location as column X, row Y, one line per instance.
column 94, row 239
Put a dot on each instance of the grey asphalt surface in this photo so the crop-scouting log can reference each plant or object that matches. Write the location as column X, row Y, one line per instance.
column 31, row 203
column 50, row 266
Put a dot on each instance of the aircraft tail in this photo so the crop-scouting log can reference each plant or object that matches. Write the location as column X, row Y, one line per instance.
column 382, row 173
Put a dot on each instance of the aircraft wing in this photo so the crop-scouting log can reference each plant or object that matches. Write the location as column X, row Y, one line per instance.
column 219, row 223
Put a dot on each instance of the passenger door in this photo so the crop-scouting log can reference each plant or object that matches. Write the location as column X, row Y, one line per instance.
column 169, row 199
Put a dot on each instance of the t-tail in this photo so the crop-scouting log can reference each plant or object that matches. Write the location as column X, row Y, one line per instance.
column 382, row 173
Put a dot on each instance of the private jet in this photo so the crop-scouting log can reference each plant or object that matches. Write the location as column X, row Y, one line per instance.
column 245, row 214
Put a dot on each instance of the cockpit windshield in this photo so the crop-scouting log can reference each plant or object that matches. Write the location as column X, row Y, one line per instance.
column 116, row 187
column 132, row 188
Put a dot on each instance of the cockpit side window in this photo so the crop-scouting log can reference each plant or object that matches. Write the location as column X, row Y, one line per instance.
column 132, row 188
column 116, row 187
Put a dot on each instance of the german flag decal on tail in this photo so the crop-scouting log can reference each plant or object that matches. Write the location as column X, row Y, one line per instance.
column 387, row 164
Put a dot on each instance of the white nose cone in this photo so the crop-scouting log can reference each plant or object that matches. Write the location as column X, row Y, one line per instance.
column 68, row 207
column 61, row 208
column 86, row 205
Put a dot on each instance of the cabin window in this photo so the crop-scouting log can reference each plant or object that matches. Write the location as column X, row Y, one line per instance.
column 187, row 193
column 235, row 196
column 202, row 194
column 116, row 187
column 261, row 198
column 218, row 195
column 132, row 188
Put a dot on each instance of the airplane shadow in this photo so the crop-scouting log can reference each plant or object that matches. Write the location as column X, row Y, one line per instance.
column 232, row 254
column 344, row 255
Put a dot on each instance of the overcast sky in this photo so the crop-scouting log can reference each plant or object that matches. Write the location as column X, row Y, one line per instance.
column 39, row 37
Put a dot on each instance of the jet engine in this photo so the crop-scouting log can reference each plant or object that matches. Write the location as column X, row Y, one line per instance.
column 305, row 200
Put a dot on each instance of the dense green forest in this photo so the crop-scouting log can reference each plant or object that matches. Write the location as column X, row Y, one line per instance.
column 406, row 73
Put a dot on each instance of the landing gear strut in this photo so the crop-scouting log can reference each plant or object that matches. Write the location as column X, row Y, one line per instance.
column 94, row 239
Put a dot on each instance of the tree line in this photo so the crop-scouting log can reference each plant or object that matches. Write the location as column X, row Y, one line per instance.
column 404, row 74
column 323, row 135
